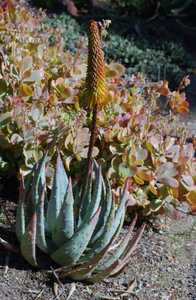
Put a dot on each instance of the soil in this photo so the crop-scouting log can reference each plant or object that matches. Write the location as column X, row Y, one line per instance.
column 163, row 267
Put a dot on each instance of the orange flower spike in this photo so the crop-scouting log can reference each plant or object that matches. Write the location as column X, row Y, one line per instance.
column 95, row 87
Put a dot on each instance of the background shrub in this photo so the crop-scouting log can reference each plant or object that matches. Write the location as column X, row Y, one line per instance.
column 167, row 60
column 40, row 107
column 71, row 31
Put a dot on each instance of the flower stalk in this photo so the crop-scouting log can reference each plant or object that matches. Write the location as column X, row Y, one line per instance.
column 92, row 137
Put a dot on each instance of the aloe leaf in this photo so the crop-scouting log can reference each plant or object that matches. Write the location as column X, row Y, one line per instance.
column 119, row 250
column 20, row 214
column 95, row 202
column 95, row 164
column 65, row 224
column 38, row 198
column 116, row 265
column 125, row 258
column 135, row 240
column 39, row 179
column 97, row 190
column 112, row 227
column 59, row 188
column 105, row 212
column 28, row 241
column 20, row 220
column 77, row 194
column 88, row 200
column 83, row 271
column 71, row 251
column 85, row 200
column 102, row 275
column 41, row 224
column 86, row 269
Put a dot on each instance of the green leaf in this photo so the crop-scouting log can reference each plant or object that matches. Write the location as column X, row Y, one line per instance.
column 26, row 64
column 91, row 204
column 84, row 199
column 36, row 76
column 20, row 215
column 59, row 189
column 125, row 171
column 28, row 242
column 167, row 169
column 39, row 180
column 97, row 191
column 111, row 228
column 37, row 111
column 71, row 251
column 24, row 208
column 104, row 274
column 120, row 256
column 106, row 205
column 5, row 118
column 41, row 240
column 64, row 229
column 83, row 271
column 141, row 153
column 130, row 248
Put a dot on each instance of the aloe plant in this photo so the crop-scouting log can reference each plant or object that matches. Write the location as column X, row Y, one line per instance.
column 77, row 227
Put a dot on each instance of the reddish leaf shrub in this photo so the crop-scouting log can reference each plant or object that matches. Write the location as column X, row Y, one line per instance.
column 40, row 87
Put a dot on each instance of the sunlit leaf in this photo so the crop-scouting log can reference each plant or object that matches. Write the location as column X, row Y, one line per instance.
column 26, row 64
column 166, row 170
column 36, row 111
column 191, row 197
column 26, row 90
column 187, row 182
column 36, row 76
column 125, row 171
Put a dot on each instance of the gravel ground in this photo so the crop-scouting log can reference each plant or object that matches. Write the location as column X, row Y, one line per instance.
column 164, row 267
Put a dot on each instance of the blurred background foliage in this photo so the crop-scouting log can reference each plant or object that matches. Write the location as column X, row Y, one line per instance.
column 152, row 37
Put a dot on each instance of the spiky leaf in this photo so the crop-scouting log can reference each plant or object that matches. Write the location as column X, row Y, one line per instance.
column 90, row 209
column 71, row 251
column 85, row 198
column 20, row 215
column 65, row 223
column 23, row 212
column 130, row 248
column 112, row 227
column 59, row 188
column 120, row 250
column 83, row 271
column 39, row 195
column 28, row 242
column 105, row 211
